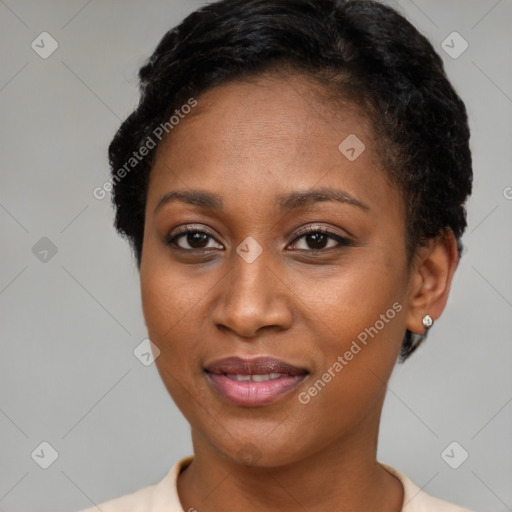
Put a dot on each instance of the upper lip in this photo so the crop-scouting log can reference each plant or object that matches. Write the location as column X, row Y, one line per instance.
column 255, row 366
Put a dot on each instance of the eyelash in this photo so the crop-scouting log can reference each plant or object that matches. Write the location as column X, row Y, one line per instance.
column 342, row 241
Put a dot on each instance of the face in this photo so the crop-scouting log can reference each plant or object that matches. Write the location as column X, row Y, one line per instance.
column 294, row 251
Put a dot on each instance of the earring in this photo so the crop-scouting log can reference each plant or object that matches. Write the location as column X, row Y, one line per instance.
column 428, row 322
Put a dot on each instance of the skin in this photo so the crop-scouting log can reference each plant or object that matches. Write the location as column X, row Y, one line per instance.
column 250, row 142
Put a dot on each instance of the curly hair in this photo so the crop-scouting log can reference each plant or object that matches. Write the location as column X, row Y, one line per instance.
column 360, row 50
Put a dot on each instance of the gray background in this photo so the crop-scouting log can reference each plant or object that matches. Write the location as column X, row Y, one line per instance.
column 69, row 325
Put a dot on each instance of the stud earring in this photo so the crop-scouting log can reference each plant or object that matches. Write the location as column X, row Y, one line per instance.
column 428, row 322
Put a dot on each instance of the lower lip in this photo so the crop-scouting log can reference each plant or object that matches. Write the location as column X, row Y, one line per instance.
column 252, row 394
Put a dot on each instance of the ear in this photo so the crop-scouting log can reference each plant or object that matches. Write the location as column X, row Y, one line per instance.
column 430, row 280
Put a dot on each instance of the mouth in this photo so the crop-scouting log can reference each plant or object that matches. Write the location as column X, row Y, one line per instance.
column 253, row 382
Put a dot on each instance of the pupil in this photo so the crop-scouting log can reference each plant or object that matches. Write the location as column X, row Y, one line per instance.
column 197, row 238
column 317, row 238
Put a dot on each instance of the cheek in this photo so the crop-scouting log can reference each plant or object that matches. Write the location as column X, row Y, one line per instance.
column 169, row 316
column 352, row 296
column 168, row 296
column 358, row 318
column 167, row 306
column 350, row 383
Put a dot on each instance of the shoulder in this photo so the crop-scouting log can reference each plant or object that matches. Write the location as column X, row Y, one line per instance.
column 415, row 500
column 159, row 497
column 137, row 501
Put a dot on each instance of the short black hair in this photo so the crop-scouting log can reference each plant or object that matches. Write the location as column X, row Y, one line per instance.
column 361, row 49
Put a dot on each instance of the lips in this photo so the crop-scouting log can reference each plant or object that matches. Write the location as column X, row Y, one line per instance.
column 256, row 366
column 253, row 382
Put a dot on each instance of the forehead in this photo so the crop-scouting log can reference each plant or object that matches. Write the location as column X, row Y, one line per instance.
column 271, row 112
column 268, row 135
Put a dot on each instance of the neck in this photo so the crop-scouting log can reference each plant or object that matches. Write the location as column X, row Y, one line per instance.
column 345, row 472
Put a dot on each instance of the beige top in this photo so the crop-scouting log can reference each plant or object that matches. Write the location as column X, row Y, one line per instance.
column 163, row 496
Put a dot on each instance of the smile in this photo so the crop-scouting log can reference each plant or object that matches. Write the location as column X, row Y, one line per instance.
column 255, row 378
column 254, row 390
column 253, row 382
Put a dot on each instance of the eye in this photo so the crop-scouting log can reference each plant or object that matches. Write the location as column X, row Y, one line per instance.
column 317, row 239
column 196, row 239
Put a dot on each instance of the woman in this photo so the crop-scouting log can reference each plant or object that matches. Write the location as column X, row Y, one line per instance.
column 293, row 184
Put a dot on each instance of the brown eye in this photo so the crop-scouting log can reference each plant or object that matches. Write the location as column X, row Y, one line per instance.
column 196, row 239
column 317, row 239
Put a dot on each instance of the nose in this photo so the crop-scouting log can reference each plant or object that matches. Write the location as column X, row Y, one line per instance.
column 252, row 297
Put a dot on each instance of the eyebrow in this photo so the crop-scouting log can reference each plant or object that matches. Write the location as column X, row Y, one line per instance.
column 285, row 202
column 296, row 200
